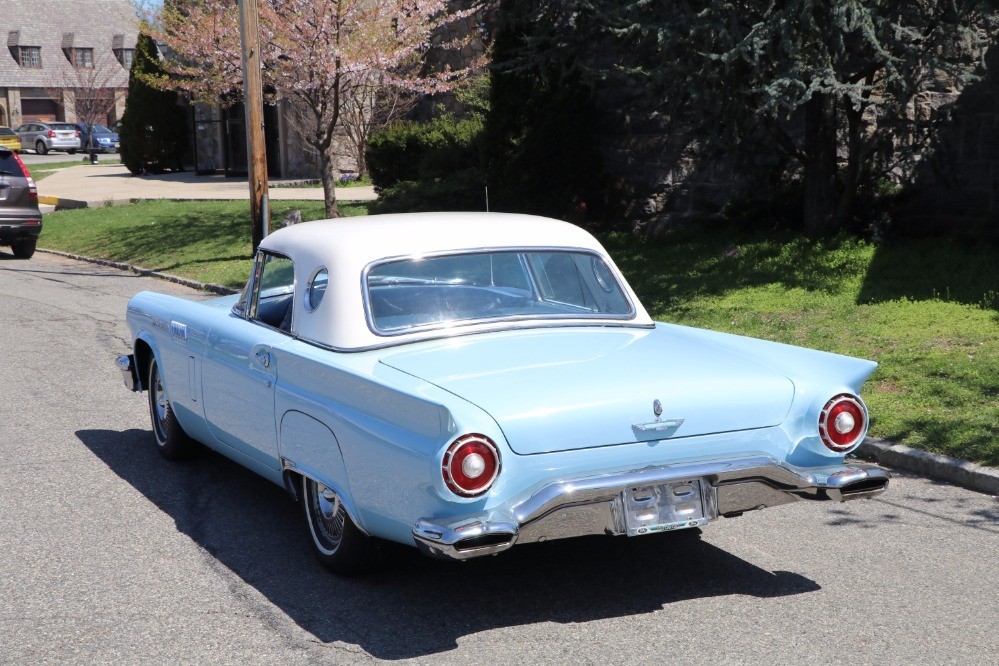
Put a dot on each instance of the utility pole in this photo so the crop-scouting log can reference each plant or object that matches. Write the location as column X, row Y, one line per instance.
column 253, row 102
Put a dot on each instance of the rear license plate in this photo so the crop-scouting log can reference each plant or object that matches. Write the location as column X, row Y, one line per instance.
column 663, row 507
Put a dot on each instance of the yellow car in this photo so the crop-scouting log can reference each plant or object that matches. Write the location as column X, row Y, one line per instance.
column 9, row 139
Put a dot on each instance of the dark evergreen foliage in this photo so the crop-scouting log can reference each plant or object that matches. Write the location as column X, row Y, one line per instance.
column 540, row 128
column 816, row 82
column 153, row 128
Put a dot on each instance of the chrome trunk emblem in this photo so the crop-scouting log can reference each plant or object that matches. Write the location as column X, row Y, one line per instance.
column 658, row 424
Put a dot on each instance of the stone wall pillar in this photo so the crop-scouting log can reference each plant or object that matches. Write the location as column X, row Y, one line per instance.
column 68, row 103
column 14, row 108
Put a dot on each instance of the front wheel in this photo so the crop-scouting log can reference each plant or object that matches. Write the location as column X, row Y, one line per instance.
column 171, row 440
column 40, row 148
column 25, row 248
column 337, row 542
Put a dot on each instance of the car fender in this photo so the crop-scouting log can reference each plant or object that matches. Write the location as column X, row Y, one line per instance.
column 308, row 447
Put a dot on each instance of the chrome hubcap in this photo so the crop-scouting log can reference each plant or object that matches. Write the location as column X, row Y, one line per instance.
column 330, row 514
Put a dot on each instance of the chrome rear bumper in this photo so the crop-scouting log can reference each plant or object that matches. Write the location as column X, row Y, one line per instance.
column 593, row 505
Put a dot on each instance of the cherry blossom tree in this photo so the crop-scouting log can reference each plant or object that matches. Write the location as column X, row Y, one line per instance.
column 320, row 55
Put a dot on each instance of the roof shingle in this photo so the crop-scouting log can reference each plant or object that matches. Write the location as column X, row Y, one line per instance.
column 46, row 23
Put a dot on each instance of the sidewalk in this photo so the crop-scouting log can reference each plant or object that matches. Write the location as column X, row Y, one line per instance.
column 90, row 185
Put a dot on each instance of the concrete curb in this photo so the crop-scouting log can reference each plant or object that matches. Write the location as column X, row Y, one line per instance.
column 194, row 284
column 944, row 468
column 61, row 203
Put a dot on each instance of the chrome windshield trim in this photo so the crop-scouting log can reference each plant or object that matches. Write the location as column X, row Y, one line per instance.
column 254, row 303
column 244, row 312
column 369, row 318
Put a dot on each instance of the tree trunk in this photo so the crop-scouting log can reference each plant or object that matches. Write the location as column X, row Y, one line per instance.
column 327, row 171
column 820, row 165
column 362, row 162
column 854, row 160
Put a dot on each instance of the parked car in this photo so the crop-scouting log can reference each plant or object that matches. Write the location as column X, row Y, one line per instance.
column 104, row 139
column 9, row 139
column 465, row 382
column 20, row 218
column 44, row 137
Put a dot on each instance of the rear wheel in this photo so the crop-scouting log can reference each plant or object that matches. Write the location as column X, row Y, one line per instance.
column 337, row 542
column 23, row 249
column 40, row 148
column 171, row 440
column 71, row 151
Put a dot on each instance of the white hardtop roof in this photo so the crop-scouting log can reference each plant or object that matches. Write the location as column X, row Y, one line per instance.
column 367, row 239
column 345, row 246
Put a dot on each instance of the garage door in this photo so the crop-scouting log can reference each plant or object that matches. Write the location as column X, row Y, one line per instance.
column 38, row 110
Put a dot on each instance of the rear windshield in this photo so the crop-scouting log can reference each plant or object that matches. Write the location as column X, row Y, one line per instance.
column 481, row 286
column 6, row 131
column 58, row 126
column 9, row 165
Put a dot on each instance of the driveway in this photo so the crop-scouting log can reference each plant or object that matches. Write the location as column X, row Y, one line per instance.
column 110, row 554
column 98, row 184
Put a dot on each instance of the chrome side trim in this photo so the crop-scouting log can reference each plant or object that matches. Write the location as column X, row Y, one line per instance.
column 593, row 505
column 126, row 364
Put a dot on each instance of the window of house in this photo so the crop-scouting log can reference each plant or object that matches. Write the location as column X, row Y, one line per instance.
column 30, row 56
column 83, row 57
column 125, row 57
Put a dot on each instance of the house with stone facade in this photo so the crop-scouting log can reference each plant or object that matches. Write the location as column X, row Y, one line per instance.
column 62, row 52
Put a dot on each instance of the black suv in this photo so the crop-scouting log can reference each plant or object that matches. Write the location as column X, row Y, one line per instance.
column 20, row 219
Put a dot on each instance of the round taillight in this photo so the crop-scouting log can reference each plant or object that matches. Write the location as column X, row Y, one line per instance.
column 843, row 423
column 470, row 465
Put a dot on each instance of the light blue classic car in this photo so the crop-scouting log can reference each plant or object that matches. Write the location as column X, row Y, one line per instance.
column 467, row 382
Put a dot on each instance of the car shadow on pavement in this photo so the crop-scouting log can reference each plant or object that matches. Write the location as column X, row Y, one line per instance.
column 417, row 606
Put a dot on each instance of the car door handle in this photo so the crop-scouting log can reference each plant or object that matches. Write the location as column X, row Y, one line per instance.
column 263, row 358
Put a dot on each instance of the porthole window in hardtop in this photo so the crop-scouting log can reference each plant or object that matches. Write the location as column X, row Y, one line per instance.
column 484, row 285
column 273, row 291
column 316, row 289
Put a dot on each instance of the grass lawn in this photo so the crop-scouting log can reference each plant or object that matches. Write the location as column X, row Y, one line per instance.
column 926, row 310
column 207, row 240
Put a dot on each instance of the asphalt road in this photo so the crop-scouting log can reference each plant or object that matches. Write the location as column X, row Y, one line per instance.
column 110, row 554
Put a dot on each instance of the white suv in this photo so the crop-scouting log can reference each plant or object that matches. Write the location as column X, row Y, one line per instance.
column 44, row 137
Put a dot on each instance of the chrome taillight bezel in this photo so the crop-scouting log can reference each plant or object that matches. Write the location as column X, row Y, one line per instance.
column 824, row 424
column 448, row 458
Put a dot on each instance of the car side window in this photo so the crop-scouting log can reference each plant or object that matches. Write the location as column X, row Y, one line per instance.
column 273, row 295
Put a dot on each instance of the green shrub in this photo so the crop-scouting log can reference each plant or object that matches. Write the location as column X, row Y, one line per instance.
column 413, row 151
column 390, row 152
column 460, row 190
